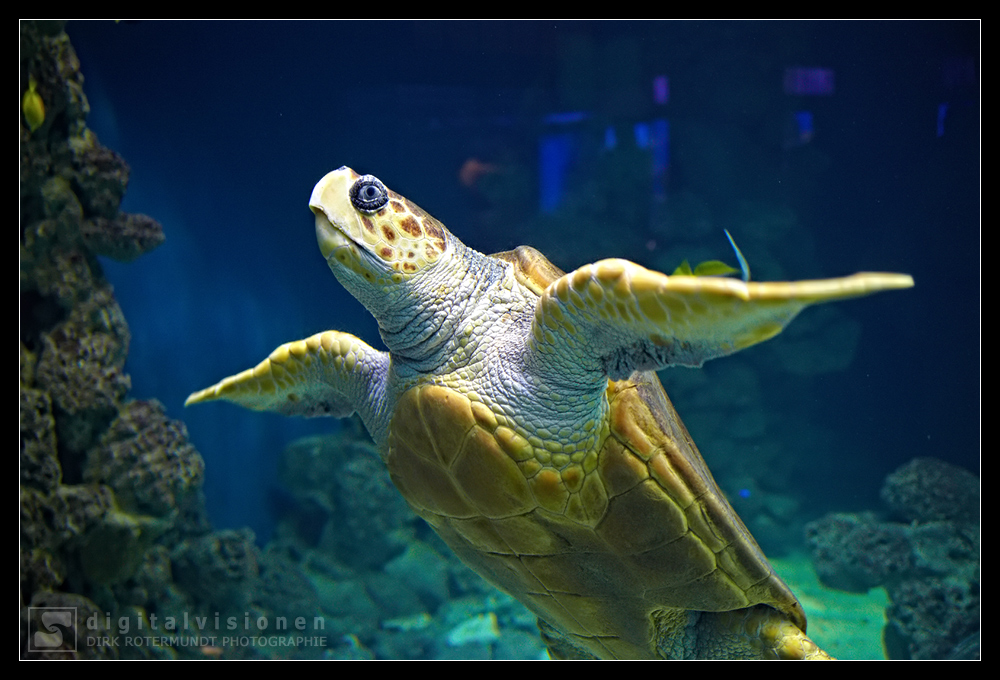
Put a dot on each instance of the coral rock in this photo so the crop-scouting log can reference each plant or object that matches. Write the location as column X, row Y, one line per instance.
column 39, row 459
column 929, row 618
column 220, row 569
column 856, row 552
column 124, row 238
column 928, row 489
column 101, row 179
column 82, row 370
column 146, row 458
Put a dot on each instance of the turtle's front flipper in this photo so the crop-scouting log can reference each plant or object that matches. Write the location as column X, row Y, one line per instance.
column 327, row 374
column 619, row 317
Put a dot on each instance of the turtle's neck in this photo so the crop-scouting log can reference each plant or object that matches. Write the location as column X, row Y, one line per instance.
column 428, row 322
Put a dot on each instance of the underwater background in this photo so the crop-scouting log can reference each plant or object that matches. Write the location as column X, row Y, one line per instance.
column 825, row 148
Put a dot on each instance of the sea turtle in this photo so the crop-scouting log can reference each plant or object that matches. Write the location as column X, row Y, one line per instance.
column 518, row 414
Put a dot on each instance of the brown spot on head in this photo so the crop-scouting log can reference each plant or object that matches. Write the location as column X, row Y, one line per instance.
column 415, row 209
column 369, row 225
column 409, row 267
column 397, row 207
column 385, row 252
column 410, row 226
column 411, row 254
column 388, row 232
column 433, row 229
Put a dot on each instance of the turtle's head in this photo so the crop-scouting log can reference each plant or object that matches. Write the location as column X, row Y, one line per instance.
column 375, row 241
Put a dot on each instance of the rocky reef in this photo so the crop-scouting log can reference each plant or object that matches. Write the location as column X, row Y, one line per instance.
column 924, row 550
column 118, row 559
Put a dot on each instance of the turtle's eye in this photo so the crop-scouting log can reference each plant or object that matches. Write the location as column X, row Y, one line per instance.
column 368, row 194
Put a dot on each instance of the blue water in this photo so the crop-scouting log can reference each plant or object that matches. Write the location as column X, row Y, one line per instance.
column 227, row 126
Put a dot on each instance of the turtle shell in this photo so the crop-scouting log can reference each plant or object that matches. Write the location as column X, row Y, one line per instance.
column 604, row 552
column 532, row 269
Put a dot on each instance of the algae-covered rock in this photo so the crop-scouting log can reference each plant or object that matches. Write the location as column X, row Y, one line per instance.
column 104, row 484
column 39, row 459
column 124, row 238
column 117, row 546
column 219, row 569
column 146, row 458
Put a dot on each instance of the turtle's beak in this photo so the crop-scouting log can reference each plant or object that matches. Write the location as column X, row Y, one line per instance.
column 326, row 203
column 342, row 253
column 328, row 236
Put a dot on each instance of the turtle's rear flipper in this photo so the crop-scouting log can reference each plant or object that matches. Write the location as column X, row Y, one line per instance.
column 759, row 632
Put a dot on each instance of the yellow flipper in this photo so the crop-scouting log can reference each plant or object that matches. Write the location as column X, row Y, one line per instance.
column 327, row 374
column 629, row 318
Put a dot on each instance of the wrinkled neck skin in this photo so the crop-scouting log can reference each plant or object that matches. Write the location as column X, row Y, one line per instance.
column 423, row 336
